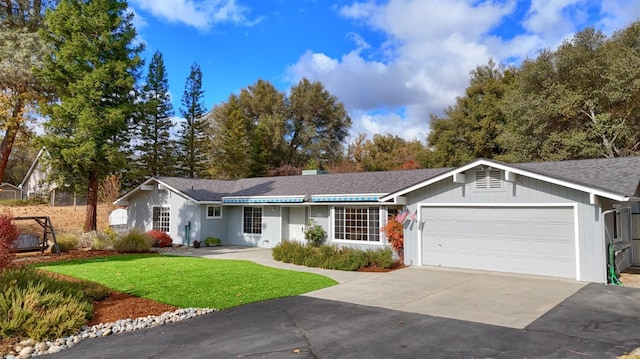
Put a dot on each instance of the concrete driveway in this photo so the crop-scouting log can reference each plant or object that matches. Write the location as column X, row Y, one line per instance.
column 507, row 300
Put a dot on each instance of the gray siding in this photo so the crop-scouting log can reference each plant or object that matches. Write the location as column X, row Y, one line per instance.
column 182, row 211
column 524, row 190
column 212, row 227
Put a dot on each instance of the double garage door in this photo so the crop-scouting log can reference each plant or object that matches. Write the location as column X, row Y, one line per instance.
column 528, row 240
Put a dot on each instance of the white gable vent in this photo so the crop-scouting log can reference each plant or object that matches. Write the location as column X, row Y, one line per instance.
column 488, row 179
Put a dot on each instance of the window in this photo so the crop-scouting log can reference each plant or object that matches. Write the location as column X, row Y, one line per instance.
column 161, row 215
column 252, row 223
column 357, row 223
column 489, row 179
column 214, row 211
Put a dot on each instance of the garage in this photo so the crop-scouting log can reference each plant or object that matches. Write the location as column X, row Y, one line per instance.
column 524, row 239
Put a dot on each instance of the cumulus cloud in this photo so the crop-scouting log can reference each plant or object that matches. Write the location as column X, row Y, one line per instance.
column 430, row 47
column 200, row 14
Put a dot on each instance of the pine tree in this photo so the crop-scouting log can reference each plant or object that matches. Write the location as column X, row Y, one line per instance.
column 92, row 69
column 155, row 147
column 230, row 143
column 193, row 144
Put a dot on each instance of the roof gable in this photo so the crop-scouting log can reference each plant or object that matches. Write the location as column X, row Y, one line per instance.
column 615, row 178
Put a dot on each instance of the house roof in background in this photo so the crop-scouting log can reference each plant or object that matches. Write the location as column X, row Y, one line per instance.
column 43, row 151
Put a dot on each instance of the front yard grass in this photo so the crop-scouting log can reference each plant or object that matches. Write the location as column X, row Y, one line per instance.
column 191, row 282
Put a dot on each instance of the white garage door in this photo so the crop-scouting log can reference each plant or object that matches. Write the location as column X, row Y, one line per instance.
column 529, row 240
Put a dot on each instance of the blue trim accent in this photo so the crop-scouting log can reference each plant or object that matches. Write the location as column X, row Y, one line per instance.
column 346, row 199
column 262, row 200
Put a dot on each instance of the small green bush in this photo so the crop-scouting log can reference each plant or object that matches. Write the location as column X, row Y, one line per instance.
column 134, row 241
column 314, row 233
column 212, row 241
column 332, row 257
column 381, row 258
column 67, row 242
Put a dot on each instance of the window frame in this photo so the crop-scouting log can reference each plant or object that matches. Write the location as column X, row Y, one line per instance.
column 254, row 222
column 353, row 228
column 162, row 218
column 214, row 216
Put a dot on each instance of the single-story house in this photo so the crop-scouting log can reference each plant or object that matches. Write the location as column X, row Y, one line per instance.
column 9, row 191
column 547, row 218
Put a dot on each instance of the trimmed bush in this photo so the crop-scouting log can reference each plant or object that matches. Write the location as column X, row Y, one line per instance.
column 67, row 242
column 331, row 257
column 134, row 242
column 380, row 258
column 212, row 241
column 160, row 239
column 8, row 235
column 38, row 306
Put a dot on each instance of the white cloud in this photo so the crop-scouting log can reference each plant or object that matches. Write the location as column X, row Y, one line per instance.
column 429, row 49
column 199, row 14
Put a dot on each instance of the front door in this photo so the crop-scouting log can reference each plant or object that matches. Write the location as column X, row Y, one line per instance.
column 297, row 222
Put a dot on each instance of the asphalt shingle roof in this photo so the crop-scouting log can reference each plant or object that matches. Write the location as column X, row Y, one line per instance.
column 338, row 183
column 620, row 175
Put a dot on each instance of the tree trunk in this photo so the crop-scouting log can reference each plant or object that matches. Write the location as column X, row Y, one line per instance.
column 13, row 127
column 91, row 219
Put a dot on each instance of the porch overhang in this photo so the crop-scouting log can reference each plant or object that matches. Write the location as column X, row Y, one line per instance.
column 263, row 199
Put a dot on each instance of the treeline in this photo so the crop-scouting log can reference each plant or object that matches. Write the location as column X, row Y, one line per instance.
column 581, row 100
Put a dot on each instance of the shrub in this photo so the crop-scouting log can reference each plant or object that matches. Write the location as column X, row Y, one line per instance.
column 8, row 235
column 134, row 241
column 39, row 306
column 395, row 235
column 381, row 258
column 212, row 241
column 331, row 257
column 67, row 242
column 160, row 239
column 98, row 240
column 314, row 233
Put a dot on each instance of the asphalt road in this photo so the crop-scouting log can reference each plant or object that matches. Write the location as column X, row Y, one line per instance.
column 596, row 322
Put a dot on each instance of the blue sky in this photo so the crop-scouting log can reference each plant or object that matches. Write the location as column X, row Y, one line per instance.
column 392, row 63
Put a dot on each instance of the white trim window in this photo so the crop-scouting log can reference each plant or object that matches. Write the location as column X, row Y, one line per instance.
column 214, row 211
column 252, row 220
column 161, row 218
column 488, row 179
column 357, row 224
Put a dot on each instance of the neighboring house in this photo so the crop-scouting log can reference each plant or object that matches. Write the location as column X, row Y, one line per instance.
column 34, row 184
column 9, row 191
column 549, row 218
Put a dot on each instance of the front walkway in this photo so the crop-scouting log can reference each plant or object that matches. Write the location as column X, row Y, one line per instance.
column 502, row 299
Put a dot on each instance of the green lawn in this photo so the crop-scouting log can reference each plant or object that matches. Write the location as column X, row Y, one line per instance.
column 192, row 282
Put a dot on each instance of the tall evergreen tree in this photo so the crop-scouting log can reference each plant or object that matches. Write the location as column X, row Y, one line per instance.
column 192, row 143
column 231, row 145
column 155, row 147
column 92, row 67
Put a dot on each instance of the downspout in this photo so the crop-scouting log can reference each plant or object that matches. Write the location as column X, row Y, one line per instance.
column 607, row 241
